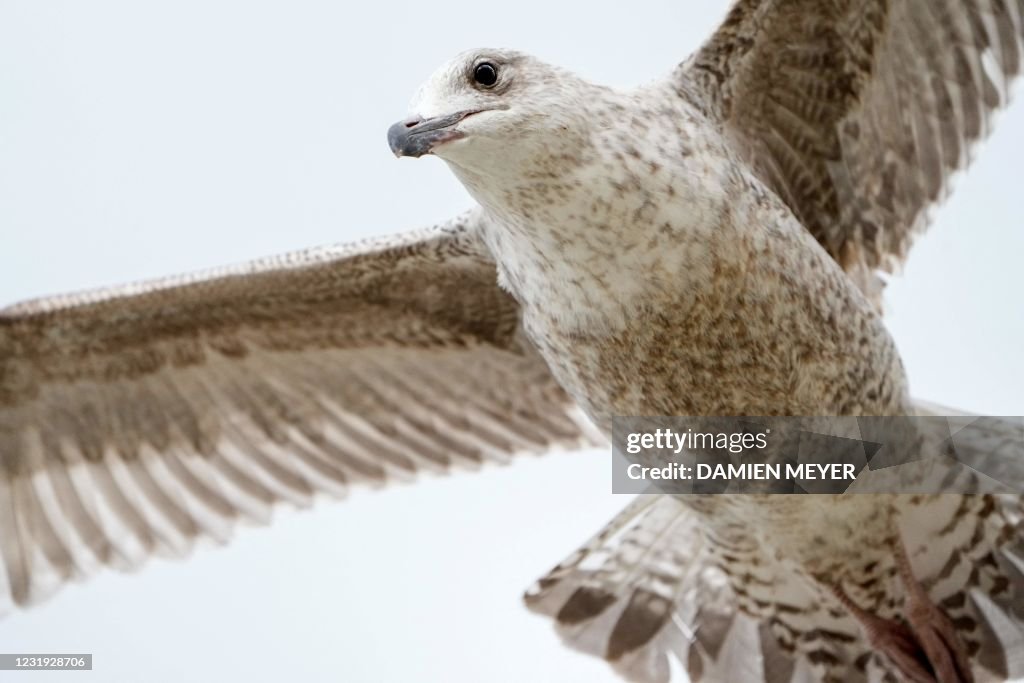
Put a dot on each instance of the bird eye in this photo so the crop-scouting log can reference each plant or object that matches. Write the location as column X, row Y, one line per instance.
column 485, row 74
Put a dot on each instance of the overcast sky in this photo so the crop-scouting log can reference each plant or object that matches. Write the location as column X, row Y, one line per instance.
column 143, row 139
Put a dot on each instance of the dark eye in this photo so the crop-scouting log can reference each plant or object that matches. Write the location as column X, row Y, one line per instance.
column 486, row 74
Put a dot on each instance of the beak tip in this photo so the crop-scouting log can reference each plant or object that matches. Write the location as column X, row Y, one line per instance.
column 397, row 139
column 416, row 137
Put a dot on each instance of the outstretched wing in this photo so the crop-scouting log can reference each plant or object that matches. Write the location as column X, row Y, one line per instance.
column 856, row 112
column 135, row 420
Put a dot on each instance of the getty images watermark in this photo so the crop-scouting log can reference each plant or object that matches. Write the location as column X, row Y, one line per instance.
column 703, row 455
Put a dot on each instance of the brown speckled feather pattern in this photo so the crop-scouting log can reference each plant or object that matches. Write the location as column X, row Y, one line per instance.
column 663, row 597
column 135, row 421
column 857, row 112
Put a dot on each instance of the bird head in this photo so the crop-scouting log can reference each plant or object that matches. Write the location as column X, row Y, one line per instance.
column 493, row 113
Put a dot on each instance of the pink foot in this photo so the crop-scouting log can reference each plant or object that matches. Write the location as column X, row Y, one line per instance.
column 934, row 629
column 929, row 649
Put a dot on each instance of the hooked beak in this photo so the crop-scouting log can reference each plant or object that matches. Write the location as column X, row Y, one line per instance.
column 415, row 137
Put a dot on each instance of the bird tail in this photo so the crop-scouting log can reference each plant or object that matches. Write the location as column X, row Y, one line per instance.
column 660, row 597
column 648, row 594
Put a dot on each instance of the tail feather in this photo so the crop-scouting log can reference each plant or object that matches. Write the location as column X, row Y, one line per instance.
column 661, row 597
column 648, row 594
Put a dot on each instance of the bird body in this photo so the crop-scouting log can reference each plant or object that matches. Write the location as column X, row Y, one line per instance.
column 658, row 276
column 646, row 249
column 660, row 273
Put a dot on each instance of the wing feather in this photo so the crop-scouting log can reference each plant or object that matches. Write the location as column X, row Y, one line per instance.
column 138, row 420
column 858, row 112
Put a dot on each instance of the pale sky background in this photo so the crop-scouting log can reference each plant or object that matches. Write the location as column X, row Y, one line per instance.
column 144, row 139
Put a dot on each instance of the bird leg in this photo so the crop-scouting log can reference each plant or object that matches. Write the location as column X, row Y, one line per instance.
column 894, row 639
column 928, row 650
column 935, row 631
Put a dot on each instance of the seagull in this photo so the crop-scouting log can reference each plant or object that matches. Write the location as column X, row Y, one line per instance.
column 707, row 244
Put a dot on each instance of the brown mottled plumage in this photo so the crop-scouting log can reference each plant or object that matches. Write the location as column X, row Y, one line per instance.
column 135, row 420
column 856, row 112
column 702, row 245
